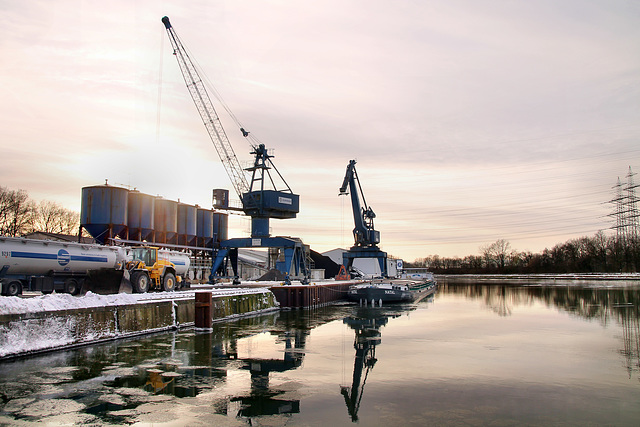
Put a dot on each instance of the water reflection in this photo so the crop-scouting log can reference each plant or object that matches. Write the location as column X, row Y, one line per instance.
column 279, row 366
column 366, row 323
column 262, row 400
column 114, row 383
column 602, row 304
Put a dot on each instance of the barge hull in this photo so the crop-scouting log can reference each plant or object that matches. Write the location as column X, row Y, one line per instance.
column 310, row 296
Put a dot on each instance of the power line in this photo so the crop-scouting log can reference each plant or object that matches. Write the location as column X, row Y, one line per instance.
column 626, row 209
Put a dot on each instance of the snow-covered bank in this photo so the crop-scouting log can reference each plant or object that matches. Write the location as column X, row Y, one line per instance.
column 57, row 302
column 56, row 321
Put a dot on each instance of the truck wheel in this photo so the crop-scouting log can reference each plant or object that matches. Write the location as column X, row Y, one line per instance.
column 71, row 286
column 140, row 282
column 13, row 289
column 169, row 282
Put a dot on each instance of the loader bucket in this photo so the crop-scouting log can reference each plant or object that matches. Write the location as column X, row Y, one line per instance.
column 107, row 281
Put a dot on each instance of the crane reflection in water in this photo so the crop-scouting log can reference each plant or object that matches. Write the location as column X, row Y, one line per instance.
column 366, row 322
column 264, row 400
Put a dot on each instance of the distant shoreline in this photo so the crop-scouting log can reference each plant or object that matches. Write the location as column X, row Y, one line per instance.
column 542, row 279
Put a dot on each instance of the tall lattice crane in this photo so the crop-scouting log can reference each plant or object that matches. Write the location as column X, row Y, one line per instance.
column 261, row 198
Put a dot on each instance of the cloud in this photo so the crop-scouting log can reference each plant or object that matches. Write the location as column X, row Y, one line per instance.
column 470, row 121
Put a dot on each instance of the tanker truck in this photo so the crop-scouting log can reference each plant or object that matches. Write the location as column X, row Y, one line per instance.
column 47, row 266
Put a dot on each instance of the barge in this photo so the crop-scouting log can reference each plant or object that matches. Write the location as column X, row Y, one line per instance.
column 378, row 292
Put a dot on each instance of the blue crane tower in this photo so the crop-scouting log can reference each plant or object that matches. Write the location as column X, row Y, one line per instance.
column 261, row 197
column 366, row 237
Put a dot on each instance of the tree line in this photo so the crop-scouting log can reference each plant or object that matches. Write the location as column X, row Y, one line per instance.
column 597, row 254
column 19, row 215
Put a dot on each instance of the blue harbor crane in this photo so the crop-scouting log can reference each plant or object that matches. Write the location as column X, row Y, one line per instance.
column 261, row 198
column 366, row 237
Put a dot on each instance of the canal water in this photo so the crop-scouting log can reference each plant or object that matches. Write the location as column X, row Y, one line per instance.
column 470, row 355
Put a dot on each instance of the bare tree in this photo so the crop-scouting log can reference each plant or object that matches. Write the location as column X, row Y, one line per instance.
column 16, row 212
column 70, row 222
column 47, row 217
column 50, row 217
column 497, row 253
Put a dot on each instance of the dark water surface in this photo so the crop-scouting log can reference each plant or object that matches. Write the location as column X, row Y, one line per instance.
column 473, row 355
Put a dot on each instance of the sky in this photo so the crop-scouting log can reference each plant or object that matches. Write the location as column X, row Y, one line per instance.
column 471, row 121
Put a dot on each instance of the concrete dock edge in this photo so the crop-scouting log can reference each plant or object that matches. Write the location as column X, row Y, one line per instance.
column 29, row 333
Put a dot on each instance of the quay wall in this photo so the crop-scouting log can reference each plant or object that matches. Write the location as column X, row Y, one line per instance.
column 316, row 295
column 26, row 333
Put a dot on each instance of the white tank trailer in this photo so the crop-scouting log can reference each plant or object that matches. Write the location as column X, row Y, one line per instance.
column 179, row 259
column 47, row 266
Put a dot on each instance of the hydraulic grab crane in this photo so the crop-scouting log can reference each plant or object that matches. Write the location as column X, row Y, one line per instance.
column 261, row 199
column 366, row 237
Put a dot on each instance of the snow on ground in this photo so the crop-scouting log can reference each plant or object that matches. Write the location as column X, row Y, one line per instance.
column 56, row 302
column 61, row 329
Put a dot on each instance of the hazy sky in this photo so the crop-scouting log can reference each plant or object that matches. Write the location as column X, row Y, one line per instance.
column 471, row 121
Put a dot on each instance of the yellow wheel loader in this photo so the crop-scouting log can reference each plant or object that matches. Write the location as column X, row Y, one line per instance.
column 148, row 271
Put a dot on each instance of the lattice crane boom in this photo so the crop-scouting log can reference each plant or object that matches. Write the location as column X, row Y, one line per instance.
column 208, row 113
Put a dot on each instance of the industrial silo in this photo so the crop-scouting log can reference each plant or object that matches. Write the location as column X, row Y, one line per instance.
column 220, row 226
column 187, row 224
column 140, row 216
column 204, row 229
column 165, row 220
column 103, row 212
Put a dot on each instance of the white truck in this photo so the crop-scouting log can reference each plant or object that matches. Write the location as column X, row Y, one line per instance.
column 47, row 266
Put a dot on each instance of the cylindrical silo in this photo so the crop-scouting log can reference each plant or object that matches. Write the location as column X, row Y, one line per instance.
column 165, row 220
column 204, row 230
column 104, row 212
column 140, row 216
column 187, row 224
column 220, row 226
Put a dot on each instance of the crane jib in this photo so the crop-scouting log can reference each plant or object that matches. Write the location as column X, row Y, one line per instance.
column 258, row 202
column 364, row 233
column 207, row 112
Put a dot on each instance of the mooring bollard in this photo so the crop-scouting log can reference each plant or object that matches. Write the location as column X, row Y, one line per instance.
column 203, row 318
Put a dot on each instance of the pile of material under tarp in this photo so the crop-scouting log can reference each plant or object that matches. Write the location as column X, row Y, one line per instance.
column 272, row 275
column 331, row 269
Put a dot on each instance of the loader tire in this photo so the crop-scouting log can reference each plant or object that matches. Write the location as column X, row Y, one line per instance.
column 140, row 282
column 169, row 282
